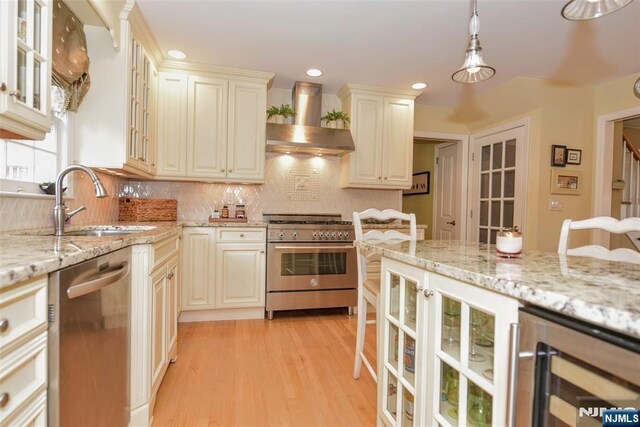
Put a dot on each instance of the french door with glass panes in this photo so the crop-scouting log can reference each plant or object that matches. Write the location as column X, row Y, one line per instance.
column 497, row 183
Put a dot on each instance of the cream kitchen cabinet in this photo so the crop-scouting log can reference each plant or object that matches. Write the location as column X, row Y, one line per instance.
column 212, row 125
column 116, row 124
column 23, row 352
column 155, row 279
column 223, row 273
column 444, row 350
column 25, row 69
column 382, row 129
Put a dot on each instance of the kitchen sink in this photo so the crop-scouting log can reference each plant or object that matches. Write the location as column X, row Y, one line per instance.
column 97, row 231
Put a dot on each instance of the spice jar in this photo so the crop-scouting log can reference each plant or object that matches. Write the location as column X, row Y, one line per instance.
column 240, row 212
column 225, row 212
column 509, row 242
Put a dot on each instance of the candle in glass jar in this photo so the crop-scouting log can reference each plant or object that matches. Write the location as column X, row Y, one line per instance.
column 509, row 241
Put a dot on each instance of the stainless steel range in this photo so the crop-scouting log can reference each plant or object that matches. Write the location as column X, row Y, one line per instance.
column 311, row 262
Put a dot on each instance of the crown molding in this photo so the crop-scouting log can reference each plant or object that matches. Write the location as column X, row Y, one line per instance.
column 181, row 66
column 142, row 33
column 350, row 88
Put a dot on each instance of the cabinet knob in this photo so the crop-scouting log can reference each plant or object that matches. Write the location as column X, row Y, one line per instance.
column 16, row 94
column 170, row 276
column 3, row 87
column 4, row 324
column 261, row 251
column 428, row 293
column 379, row 177
column 221, row 170
column 241, row 234
column 385, row 177
column 230, row 170
column 4, row 399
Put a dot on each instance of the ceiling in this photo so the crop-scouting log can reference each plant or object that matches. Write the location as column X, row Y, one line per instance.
column 393, row 43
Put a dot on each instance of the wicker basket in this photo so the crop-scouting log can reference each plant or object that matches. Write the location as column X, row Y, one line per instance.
column 132, row 209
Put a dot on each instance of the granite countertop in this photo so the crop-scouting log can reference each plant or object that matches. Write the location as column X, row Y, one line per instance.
column 601, row 292
column 29, row 253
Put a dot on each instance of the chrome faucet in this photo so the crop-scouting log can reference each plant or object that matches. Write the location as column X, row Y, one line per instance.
column 60, row 214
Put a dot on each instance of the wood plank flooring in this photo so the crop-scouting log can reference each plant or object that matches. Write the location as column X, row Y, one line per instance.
column 296, row 370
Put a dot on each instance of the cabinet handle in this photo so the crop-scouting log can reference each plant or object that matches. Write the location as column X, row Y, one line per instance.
column 385, row 177
column 153, row 165
column 16, row 94
column 379, row 177
column 428, row 293
column 170, row 276
column 261, row 251
column 241, row 234
column 221, row 170
column 4, row 324
column 514, row 349
column 3, row 87
column 230, row 170
column 4, row 399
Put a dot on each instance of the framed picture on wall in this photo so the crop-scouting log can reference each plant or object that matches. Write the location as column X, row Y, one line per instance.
column 574, row 157
column 558, row 155
column 566, row 182
column 421, row 184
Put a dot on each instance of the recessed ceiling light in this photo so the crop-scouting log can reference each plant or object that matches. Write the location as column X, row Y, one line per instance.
column 314, row 72
column 419, row 85
column 177, row 54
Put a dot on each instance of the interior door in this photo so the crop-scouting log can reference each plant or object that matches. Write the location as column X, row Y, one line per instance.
column 447, row 206
column 497, row 180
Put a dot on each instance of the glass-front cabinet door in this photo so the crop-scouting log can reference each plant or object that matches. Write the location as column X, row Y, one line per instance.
column 400, row 365
column 25, row 67
column 470, row 333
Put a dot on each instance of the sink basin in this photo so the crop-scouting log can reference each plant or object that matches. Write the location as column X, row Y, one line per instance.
column 95, row 231
column 99, row 233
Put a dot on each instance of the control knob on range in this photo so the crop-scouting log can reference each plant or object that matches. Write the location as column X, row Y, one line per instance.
column 321, row 234
column 282, row 235
column 314, row 235
column 346, row 234
column 333, row 234
column 339, row 234
column 294, row 235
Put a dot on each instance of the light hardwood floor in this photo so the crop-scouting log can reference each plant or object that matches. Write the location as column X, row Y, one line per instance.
column 296, row 370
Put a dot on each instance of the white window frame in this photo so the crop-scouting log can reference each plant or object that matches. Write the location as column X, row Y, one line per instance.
column 9, row 187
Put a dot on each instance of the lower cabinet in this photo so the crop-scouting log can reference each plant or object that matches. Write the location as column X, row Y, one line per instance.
column 23, row 353
column 444, row 350
column 223, row 273
column 154, row 327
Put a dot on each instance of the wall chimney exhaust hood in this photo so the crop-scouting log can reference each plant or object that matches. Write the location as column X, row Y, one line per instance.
column 306, row 136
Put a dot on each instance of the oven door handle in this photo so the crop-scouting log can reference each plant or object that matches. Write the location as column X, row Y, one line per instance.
column 289, row 248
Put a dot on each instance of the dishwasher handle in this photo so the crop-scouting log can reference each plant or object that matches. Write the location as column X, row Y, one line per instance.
column 102, row 280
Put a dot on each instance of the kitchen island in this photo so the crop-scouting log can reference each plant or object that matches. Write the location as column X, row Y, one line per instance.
column 446, row 319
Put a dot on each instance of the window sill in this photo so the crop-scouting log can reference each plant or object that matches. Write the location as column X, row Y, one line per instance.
column 26, row 195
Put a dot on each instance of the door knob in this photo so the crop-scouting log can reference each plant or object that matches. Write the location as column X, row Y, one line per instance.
column 451, row 222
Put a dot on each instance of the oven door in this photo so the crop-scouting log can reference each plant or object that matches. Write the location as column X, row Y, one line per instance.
column 310, row 266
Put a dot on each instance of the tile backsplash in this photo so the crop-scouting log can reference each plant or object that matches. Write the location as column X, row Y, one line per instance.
column 18, row 213
column 293, row 184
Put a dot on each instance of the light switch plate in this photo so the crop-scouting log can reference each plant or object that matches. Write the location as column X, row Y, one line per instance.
column 555, row 205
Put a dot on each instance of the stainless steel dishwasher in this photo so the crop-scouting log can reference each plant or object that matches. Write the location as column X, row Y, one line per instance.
column 89, row 329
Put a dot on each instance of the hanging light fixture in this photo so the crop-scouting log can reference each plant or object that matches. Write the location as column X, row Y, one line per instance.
column 580, row 10
column 474, row 69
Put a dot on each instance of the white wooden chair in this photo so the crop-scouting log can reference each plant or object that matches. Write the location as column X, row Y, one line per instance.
column 605, row 223
column 369, row 272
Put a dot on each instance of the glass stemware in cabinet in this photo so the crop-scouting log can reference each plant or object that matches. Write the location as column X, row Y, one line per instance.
column 479, row 405
column 409, row 359
column 392, row 395
column 478, row 319
column 451, row 310
column 394, row 336
column 450, row 393
column 410, row 303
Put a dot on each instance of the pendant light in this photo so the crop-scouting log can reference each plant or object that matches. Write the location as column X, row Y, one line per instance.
column 580, row 10
column 474, row 69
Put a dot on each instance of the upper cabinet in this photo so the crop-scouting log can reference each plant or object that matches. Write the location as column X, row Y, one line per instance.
column 382, row 130
column 25, row 69
column 211, row 124
column 116, row 123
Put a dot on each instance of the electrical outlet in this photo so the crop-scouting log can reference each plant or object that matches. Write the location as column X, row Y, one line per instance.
column 555, row 205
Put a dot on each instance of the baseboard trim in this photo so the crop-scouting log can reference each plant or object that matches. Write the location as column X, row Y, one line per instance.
column 222, row 314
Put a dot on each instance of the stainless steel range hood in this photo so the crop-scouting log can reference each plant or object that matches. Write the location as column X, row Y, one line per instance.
column 306, row 136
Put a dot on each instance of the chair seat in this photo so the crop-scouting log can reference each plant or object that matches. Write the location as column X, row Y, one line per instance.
column 372, row 285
